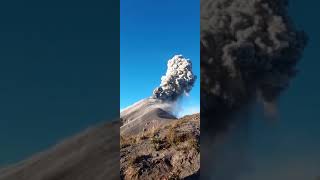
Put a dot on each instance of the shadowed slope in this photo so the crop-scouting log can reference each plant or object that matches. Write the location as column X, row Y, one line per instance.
column 91, row 155
column 143, row 115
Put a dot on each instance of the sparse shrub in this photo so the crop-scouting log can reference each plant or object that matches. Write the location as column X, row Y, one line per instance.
column 194, row 143
column 171, row 136
column 131, row 173
column 143, row 136
column 124, row 142
column 156, row 141
column 174, row 177
column 159, row 143
column 138, row 165
column 131, row 160
column 175, row 138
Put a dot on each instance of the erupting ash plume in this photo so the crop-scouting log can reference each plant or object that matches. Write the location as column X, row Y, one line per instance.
column 178, row 80
column 162, row 105
column 249, row 49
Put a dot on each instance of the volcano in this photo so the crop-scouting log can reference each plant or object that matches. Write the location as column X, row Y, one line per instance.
column 155, row 144
column 145, row 114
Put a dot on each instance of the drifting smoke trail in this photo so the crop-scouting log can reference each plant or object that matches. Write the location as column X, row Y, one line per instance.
column 178, row 80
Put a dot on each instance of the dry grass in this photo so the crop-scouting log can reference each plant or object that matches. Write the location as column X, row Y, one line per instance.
column 137, row 165
column 174, row 177
column 175, row 137
column 180, row 135
column 125, row 142
column 159, row 143
column 194, row 143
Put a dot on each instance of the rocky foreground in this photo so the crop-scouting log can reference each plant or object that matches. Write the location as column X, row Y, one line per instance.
column 168, row 151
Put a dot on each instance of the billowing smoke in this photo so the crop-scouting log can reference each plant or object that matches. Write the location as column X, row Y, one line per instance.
column 179, row 79
column 249, row 49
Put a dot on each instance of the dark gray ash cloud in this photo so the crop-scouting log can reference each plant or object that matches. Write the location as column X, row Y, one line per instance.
column 178, row 80
column 249, row 49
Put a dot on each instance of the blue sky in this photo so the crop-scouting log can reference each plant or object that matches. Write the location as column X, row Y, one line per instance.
column 55, row 68
column 151, row 33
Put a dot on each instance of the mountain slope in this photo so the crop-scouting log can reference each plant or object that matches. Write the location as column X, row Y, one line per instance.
column 91, row 155
column 145, row 114
column 168, row 151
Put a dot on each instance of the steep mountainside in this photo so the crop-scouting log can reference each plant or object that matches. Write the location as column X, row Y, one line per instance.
column 91, row 155
column 145, row 114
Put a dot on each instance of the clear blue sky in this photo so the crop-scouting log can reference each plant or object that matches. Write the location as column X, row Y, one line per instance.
column 151, row 33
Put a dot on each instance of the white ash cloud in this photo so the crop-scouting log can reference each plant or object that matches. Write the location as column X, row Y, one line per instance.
column 178, row 80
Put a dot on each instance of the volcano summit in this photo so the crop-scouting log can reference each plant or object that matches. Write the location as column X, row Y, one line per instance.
column 160, row 107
